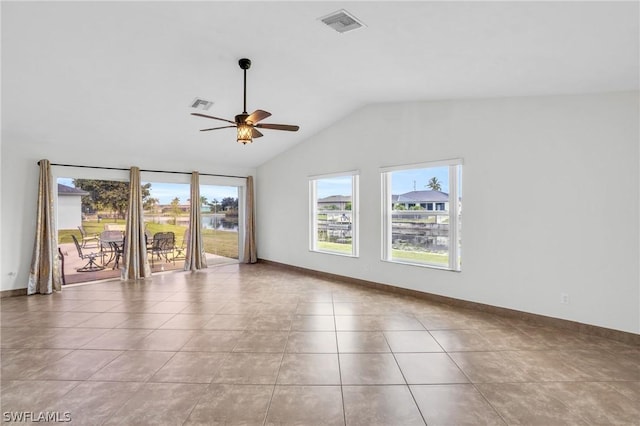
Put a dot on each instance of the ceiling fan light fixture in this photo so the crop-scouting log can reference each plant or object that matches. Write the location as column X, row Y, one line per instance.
column 245, row 134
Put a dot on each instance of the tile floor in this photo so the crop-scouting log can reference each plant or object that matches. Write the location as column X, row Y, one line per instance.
column 256, row 344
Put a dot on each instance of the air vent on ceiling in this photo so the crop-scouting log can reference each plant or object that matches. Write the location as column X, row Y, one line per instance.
column 342, row 21
column 200, row 103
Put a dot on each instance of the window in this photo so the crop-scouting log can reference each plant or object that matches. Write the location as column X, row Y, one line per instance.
column 417, row 235
column 334, row 214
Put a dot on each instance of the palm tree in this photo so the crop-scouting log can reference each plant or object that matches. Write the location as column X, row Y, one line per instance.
column 434, row 184
column 203, row 200
column 214, row 205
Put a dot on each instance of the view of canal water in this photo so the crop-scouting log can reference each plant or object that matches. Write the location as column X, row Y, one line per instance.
column 219, row 222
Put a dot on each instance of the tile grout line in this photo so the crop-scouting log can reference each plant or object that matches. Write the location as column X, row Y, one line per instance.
column 405, row 379
column 335, row 326
column 273, row 391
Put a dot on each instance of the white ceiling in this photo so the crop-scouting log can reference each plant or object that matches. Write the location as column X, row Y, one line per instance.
column 123, row 74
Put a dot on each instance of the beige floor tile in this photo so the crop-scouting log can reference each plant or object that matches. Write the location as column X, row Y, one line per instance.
column 309, row 369
column 491, row 367
column 97, row 306
column 34, row 396
column 20, row 364
column 429, row 368
column 166, row 307
column 312, row 342
column 261, row 341
column 462, row 340
column 186, row 322
column 18, row 337
column 630, row 390
column 228, row 322
column 212, row 341
column 202, row 308
column 164, row 340
column 140, row 320
column 133, row 366
column 105, row 320
column 249, row 368
column 190, row 367
column 322, row 332
column 362, row 342
column 270, row 322
column 596, row 403
column 380, row 405
column 92, row 403
column 376, row 323
column 454, row 405
column 601, row 365
column 412, row 341
column 77, row 365
column 159, row 404
column 117, row 339
column 307, row 308
column 370, row 369
column 232, row 404
column 306, row 405
column 528, row 404
column 313, row 323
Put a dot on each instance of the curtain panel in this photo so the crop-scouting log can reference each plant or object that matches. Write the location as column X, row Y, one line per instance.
column 250, row 251
column 195, row 257
column 136, row 264
column 44, row 275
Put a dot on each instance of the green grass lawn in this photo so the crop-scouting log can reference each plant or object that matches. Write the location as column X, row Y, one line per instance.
column 221, row 243
column 335, row 247
column 420, row 257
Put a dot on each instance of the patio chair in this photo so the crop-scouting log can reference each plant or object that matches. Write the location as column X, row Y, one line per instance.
column 181, row 251
column 162, row 245
column 91, row 264
column 87, row 238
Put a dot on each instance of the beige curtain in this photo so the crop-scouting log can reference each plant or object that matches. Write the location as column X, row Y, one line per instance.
column 136, row 264
column 250, row 252
column 44, row 276
column 195, row 257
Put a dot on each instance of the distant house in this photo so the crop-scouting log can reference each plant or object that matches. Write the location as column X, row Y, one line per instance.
column 334, row 202
column 69, row 206
column 428, row 200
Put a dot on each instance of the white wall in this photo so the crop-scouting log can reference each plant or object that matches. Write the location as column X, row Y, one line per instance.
column 19, row 184
column 550, row 193
column 69, row 212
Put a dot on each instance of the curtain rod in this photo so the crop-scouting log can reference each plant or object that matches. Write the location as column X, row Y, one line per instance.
column 143, row 170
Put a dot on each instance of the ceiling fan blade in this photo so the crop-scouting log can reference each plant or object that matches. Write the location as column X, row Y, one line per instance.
column 258, row 115
column 216, row 128
column 211, row 116
column 287, row 127
column 255, row 133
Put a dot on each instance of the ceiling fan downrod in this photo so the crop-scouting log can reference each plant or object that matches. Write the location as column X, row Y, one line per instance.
column 245, row 64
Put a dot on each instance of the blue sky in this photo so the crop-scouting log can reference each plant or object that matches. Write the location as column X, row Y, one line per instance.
column 166, row 192
column 416, row 179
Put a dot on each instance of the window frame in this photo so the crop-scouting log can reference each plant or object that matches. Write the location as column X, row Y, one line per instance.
column 355, row 212
column 455, row 248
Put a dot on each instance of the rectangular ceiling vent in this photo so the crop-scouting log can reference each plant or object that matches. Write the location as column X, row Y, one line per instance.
column 342, row 21
column 200, row 103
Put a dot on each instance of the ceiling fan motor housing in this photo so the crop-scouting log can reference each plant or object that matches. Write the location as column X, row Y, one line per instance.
column 242, row 119
column 244, row 63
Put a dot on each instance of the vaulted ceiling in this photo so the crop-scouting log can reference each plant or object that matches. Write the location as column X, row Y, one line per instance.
column 123, row 74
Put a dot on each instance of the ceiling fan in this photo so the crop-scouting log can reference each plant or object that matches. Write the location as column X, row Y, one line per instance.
column 248, row 124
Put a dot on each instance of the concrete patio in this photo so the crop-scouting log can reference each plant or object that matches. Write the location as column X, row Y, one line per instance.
column 72, row 263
